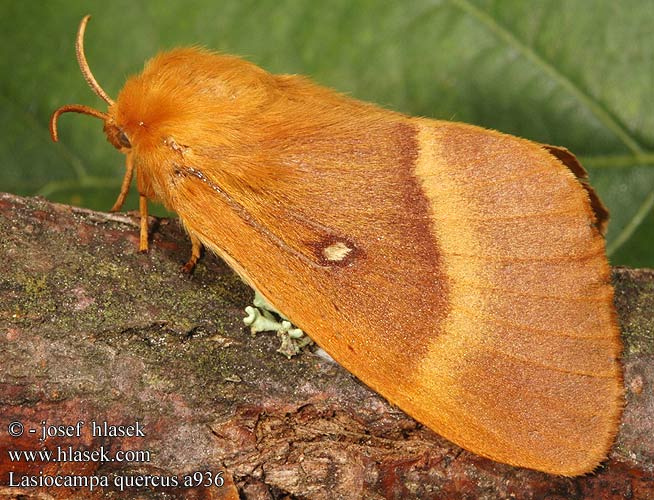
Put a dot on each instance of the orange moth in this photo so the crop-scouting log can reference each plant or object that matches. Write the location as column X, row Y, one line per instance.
column 458, row 271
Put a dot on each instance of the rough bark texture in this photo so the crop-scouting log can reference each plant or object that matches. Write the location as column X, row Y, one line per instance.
column 92, row 330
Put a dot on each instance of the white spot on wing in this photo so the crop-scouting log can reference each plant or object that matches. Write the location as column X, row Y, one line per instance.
column 336, row 251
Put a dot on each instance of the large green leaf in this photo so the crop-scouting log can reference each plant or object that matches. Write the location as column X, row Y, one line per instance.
column 574, row 73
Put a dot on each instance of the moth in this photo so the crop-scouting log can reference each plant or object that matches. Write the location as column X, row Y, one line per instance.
column 458, row 271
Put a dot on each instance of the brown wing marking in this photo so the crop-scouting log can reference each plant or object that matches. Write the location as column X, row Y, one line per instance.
column 570, row 161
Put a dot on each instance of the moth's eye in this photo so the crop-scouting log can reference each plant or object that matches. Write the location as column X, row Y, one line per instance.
column 123, row 140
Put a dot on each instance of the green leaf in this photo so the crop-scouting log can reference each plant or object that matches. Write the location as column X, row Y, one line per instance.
column 570, row 72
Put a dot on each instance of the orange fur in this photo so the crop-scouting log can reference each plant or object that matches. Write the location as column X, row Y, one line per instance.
column 470, row 287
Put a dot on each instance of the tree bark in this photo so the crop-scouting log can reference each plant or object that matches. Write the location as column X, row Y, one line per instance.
column 93, row 331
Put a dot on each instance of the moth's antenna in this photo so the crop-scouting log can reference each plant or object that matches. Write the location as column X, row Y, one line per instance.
column 84, row 66
column 75, row 108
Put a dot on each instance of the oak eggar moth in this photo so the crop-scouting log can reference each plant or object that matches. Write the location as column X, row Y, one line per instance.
column 458, row 271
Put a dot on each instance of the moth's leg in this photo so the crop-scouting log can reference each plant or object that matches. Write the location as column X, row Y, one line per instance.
column 124, row 188
column 196, row 251
column 143, row 209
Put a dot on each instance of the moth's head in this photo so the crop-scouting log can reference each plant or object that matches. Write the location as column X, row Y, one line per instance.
column 115, row 134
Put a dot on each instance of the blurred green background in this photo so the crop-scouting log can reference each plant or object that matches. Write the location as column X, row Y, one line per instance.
column 576, row 73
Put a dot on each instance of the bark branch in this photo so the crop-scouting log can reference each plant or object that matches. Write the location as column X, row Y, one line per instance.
column 92, row 330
